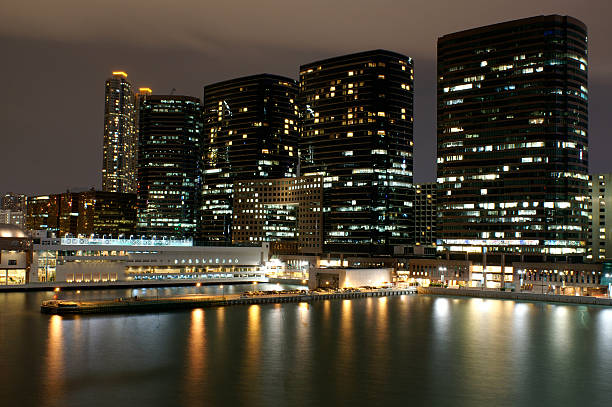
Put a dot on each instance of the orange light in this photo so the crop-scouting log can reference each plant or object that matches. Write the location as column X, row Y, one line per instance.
column 198, row 284
column 56, row 289
column 120, row 73
column 145, row 90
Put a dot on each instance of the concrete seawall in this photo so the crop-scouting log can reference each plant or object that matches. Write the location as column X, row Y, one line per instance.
column 515, row 296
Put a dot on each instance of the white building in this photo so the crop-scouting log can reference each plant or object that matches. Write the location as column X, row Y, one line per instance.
column 83, row 260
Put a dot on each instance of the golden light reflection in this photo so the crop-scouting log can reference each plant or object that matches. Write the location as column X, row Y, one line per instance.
column 54, row 377
column 253, row 341
column 220, row 323
column 195, row 374
column 346, row 334
column 382, row 322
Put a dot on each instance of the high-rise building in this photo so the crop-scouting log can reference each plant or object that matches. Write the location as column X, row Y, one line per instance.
column 357, row 134
column 512, row 141
column 425, row 214
column 250, row 132
column 120, row 139
column 169, row 164
column 599, row 244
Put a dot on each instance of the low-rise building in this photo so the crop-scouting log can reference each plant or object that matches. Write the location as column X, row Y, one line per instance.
column 83, row 213
column 92, row 260
column 349, row 277
column 11, row 217
column 15, row 255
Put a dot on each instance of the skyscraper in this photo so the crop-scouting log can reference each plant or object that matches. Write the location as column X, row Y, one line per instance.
column 512, row 140
column 169, row 164
column 250, row 132
column 120, row 141
column 357, row 133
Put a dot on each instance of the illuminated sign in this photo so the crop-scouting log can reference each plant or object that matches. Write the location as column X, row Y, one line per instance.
column 79, row 241
column 492, row 242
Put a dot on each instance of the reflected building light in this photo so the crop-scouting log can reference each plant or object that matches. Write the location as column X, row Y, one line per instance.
column 196, row 350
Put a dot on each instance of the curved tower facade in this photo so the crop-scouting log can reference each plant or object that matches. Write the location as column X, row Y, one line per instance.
column 512, row 141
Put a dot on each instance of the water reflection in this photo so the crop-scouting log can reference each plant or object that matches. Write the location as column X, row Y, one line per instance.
column 195, row 374
column 433, row 351
column 253, row 345
column 346, row 333
column 54, row 366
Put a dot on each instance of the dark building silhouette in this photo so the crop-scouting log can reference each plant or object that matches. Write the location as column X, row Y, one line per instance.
column 85, row 213
column 169, row 164
column 512, row 140
column 250, row 132
column 357, row 133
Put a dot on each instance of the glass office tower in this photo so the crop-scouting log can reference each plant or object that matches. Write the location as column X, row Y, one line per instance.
column 512, row 140
column 169, row 164
column 250, row 132
column 357, row 133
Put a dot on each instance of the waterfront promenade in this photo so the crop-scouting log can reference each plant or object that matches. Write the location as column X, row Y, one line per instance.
column 132, row 284
column 520, row 296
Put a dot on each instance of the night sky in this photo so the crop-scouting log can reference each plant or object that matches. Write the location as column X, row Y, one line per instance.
column 56, row 56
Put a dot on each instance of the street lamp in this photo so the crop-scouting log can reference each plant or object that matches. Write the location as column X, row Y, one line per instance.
column 223, row 290
column 521, row 273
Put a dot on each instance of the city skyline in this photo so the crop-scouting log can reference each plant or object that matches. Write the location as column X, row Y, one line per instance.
column 58, row 144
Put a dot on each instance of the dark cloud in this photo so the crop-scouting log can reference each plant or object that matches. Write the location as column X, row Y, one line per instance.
column 56, row 56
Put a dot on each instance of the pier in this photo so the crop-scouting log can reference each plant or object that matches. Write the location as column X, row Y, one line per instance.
column 134, row 304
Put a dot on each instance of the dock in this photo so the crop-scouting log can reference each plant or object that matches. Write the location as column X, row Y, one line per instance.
column 148, row 304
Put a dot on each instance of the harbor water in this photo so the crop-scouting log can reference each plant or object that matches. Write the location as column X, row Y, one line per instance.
column 412, row 349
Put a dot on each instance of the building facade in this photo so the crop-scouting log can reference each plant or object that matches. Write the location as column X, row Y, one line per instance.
column 599, row 247
column 169, row 164
column 10, row 217
column 13, row 202
column 43, row 213
column 288, row 212
column 120, row 139
column 104, row 260
column 15, row 255
column 512, row 141
column 86, row 213
column 425, row 214
column 357, row 134
column 250, row 132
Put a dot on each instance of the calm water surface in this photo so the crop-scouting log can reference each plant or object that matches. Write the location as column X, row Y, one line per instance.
column 413, row 350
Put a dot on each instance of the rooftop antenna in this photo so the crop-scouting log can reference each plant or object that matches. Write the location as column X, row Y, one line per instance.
column 172, row 91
